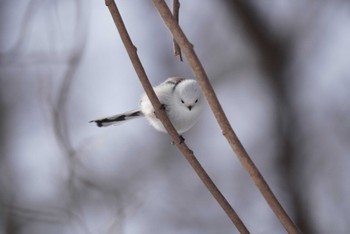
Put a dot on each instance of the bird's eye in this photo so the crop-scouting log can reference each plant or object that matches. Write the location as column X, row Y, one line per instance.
column 196, row 101
column 182, row 101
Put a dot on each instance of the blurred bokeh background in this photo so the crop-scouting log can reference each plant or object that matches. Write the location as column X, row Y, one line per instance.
column 280, row 68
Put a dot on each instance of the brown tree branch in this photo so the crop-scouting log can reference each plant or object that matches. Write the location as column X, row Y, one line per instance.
column 176, row 10
column 161, row 114
column 227, row 130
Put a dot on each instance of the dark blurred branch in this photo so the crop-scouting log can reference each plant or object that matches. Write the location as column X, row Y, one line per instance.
column 274, row 53
column 8, row 223
column 53, row 215
column 161, row 114
column 176, row 10
column 26, row 27
column 59, row 107
column 227, row 130
column 61, row 103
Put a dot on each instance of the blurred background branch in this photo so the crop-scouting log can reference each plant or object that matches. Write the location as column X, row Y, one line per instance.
column 274, row 54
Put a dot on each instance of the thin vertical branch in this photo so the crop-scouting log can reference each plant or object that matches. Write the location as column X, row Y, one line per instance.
column 176, row 11
column 221, row 118
column 161, row 114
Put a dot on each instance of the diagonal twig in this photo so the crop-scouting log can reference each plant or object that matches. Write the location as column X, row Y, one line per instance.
column 221, row 118
column 132, row 52
column 176, row 10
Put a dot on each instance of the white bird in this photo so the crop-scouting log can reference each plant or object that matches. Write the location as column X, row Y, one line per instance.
column 181, row 98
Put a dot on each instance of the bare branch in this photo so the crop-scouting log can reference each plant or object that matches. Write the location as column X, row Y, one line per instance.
column 161, row 114
column 176, row 10
column 227, row 130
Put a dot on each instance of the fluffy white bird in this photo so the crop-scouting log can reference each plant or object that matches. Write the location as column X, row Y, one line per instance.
column 181, row 98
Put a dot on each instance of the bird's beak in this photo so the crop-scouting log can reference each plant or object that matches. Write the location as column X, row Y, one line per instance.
column 190, row 107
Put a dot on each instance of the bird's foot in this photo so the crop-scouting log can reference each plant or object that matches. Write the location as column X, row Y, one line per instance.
column 182, row 140
column 162, row 107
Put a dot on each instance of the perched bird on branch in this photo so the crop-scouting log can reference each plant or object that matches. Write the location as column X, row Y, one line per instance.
column 181, row 98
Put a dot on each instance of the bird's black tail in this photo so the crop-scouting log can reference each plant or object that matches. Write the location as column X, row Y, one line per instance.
column 117, row 119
